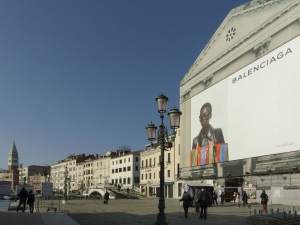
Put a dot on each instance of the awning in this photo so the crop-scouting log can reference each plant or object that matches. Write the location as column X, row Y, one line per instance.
column 198, row 184
column 168, row 183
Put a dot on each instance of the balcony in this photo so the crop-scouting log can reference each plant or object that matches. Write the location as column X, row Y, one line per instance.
column 168, row 162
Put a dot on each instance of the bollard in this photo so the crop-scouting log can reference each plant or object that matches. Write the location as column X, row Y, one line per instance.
column 284, row 214
column 295, row 213
column 290, row 213
column 259, row 212
column 255, row 212
column 250, row 213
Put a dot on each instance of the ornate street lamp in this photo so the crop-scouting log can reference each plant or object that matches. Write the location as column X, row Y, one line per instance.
column 164, row 141
column 66, row 173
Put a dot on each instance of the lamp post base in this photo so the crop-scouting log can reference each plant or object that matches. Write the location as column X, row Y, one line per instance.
column 161, row 220
column 161, row 217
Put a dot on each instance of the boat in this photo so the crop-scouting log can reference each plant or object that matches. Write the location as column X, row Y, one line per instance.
column 6, row 198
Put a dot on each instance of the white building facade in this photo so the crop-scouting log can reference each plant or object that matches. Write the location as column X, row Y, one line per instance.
column 125, row 169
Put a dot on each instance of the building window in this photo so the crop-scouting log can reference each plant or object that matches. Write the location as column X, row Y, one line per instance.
column 136, row 180
column 150, row 162
column 124, row 169
column 146, row 176
column 153, row 175
column 150, row 176
column 142, row 176
column 142, row 163
column 146, row 163
column 120, row 161
column 128, row 159
column 113, row 162
column 154, row 161
column 136, row 168
column 124, row 160
column 169, row 157
column 128, row 168
column 128, row 180
column 112, row 171
column 169, row 173
column 124, row 180
column 120, row 170
column 116, row 161
column 136, row 159
column 116, row 170
column 178, row 149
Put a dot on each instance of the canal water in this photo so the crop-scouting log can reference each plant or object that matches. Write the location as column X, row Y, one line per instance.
column 4, row 204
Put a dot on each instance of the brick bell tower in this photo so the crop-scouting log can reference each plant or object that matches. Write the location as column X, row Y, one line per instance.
column 13, row 159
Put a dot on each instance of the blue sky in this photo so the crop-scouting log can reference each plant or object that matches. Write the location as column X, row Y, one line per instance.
column 82, row 76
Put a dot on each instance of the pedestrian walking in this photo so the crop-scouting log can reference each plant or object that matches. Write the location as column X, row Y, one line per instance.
column 237, row 199
column 196, row 197
column 30, row 201
column 215, row 198
column 222, row 196
column 186, row 199
column 23, row 196
column 234, row 197
column 264, row 200
column 245, row 199
column 106, row 197
column 203, row 200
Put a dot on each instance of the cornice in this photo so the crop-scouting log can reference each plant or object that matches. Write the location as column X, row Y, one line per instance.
column 189, row 76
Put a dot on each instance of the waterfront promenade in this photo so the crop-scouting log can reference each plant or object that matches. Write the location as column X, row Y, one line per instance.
column 126, row 211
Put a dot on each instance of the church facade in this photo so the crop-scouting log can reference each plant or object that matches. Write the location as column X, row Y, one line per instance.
column 240, row 104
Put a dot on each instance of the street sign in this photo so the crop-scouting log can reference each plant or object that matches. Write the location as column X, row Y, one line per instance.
column 5, row 188
column 47, row 189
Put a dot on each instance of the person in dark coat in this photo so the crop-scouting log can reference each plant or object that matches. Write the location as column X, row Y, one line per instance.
column 23, row 196
column 196, row 197
column 245, row 199
column 106, row 197
column 264, row 200
column 203, row 200
column 186, row 199
column 222, row 196
column 30, row 201
column 215, row 198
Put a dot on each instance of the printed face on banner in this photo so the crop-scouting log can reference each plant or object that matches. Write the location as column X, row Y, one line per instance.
column 253, row 112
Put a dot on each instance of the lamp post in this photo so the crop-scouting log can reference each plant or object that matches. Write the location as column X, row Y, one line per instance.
column 66, row 173
column 164, row 141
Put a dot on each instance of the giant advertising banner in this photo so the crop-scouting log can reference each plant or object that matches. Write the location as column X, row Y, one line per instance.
column 253, row 112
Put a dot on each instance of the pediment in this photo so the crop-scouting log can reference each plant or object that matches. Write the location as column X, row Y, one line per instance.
column 242, row 27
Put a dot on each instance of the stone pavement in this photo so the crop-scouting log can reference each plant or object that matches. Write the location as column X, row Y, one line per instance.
column 126, row 211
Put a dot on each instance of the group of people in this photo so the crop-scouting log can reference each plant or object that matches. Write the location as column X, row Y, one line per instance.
column 202, row 200
column 26, row 198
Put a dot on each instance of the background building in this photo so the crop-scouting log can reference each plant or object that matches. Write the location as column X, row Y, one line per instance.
column 125, row 169
column 150, row 170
